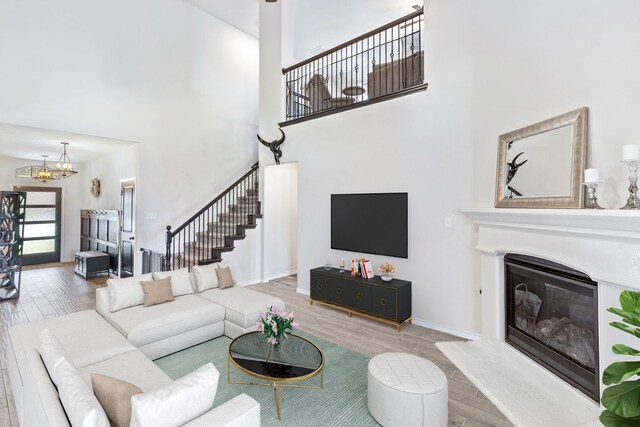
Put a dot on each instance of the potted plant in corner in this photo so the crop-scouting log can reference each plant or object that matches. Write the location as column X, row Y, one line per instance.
column 622, row 396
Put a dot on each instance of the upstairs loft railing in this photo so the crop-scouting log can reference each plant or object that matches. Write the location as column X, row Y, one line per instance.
column 213, row 229
column 381, row 64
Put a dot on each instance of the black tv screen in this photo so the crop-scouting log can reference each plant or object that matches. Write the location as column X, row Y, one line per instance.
column 371, row 223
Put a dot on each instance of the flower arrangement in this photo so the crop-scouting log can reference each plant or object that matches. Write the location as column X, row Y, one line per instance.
column 387, row 268
column 275, row 324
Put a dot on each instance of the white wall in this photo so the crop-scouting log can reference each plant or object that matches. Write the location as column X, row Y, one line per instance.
column 74, row 193
column 534, row 60
column 280, row 208
column 420, row 144
column 181, row 83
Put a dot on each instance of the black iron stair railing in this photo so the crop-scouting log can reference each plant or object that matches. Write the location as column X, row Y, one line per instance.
column 204, row 237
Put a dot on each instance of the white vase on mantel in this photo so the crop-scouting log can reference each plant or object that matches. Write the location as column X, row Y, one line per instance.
column 387, row 277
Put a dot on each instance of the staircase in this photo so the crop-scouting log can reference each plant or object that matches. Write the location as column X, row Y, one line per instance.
column 213, row 230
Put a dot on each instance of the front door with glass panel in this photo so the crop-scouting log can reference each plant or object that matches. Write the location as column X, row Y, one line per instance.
column 42, row 225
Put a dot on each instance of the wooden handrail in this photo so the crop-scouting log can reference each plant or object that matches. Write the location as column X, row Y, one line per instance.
column 355, row 40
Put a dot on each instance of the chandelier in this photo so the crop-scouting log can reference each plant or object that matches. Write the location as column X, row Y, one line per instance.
column 64, row 166
column 44, row 173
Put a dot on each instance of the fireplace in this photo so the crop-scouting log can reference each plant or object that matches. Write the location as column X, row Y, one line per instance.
column 551, row 316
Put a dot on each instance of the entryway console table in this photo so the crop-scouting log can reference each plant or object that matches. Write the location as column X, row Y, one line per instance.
column 388, row 302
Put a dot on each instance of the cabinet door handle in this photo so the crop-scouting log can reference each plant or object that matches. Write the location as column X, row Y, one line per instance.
column 320, row 286
column 383, row 302
column 338, row 291
column 359, row 295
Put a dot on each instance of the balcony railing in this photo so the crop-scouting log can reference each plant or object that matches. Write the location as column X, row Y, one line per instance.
column 382, row 64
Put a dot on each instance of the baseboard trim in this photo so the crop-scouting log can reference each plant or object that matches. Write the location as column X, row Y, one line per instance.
column 303, row 291
column 452, row 331
column 279, row 275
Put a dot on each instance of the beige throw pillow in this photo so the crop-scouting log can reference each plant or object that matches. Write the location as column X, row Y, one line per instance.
column 157, row 291
column 225, row 279
column 114, row 396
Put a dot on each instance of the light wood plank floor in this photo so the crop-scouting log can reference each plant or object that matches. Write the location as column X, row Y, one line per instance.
column 57, row 290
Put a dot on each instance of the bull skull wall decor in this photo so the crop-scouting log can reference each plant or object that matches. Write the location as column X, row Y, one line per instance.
column 274, row 146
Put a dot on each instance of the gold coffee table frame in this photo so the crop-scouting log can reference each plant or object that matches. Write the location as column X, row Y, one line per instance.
column 276, row 383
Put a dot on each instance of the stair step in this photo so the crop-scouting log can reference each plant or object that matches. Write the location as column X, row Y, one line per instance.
column 205, row 236
column 248, row 199
column 244, row 208
column 252, row 192
column 234, row 218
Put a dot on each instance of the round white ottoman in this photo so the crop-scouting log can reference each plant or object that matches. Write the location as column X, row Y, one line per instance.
column 405, row 390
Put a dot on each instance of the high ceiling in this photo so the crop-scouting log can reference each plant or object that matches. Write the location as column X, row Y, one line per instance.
column 25, row 142
column 318, row 25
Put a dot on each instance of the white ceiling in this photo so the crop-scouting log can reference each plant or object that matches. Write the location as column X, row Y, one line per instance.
column 25, row 142
column 242, row 14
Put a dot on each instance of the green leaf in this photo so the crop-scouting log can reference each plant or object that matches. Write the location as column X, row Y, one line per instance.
column 631, row 318
column 609, row 419
column 628, row 329
column 620, row 371
column 623, row 399
column 623, row 349
column 630, row 301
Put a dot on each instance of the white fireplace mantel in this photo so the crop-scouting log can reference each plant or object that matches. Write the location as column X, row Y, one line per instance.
column 604, row 244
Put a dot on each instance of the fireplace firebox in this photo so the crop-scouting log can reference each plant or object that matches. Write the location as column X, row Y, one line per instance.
column 552, row 317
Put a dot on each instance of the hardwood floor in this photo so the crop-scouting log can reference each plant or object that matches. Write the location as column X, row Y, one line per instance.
column 55, row 291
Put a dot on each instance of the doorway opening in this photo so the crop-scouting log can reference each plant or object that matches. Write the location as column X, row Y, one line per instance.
column 42, row 225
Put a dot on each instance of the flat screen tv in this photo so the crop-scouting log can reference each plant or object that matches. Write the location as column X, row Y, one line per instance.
column 375, row 223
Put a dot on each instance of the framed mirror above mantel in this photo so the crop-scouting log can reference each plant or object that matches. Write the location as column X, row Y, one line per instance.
column 541, row 165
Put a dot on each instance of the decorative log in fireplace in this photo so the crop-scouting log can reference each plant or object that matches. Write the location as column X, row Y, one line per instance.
column 552, row 317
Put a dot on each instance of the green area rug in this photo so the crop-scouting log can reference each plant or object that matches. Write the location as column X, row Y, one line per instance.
column 342, row 402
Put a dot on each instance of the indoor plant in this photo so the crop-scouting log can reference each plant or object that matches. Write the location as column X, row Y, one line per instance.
column 275, row 324
column 622, row 398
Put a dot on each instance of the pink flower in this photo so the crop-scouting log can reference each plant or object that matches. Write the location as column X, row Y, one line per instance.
column 260, row 326
column 295, row 324
column 272, row 341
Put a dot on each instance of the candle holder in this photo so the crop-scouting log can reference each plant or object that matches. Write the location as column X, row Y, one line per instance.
column 341, row 265
column 632, row 202
column 592, row 200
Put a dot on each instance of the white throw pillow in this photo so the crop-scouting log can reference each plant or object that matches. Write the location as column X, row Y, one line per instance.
column 52, row 353
column 233, row 273
column 127, row 292
column 206, row 277
column 178, row 403
column 180, row 281
column 80, row 404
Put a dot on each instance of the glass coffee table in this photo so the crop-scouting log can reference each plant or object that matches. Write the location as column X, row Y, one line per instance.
column 293, row 360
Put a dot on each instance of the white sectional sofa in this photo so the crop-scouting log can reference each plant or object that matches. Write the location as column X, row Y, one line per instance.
column 122, row 338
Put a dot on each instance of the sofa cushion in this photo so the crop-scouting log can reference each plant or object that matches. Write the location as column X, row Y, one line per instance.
column 71, row 330
column 115, row 398
column 242, row 305
column 127, row 292
column 230, row 267
column 205, row 277
column 178, row 403
column 81, row 406
column 52, row 352
column 134, row 367
column 225, row 279
column 143, row 325
column 180, row 280
column 157, row 291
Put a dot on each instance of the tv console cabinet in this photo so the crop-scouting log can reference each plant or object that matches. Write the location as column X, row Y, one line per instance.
column 389, row 302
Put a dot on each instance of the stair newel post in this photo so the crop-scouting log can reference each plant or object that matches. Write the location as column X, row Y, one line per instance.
column 167, row 259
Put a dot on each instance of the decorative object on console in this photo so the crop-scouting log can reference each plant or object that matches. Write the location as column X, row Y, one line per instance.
column 631, row 157
column 591, row 181
column 389, row 302
column 387, row 271
column 95, row 187
column 274, row 146
column 327, row 266
column 341, row 265
column 556, row 151
column 275, row 324
column 621, row 397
